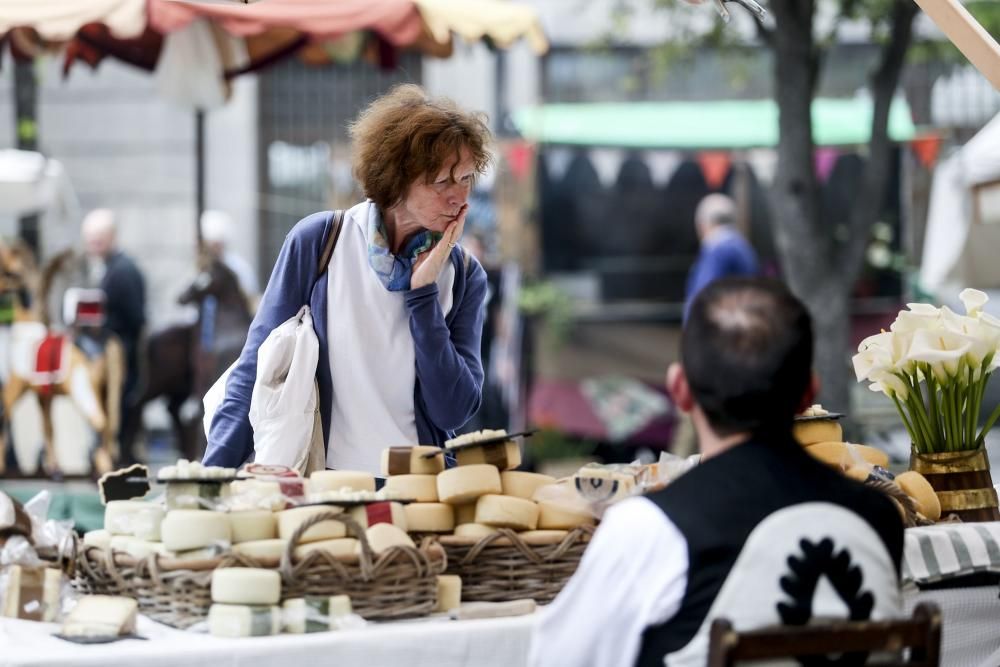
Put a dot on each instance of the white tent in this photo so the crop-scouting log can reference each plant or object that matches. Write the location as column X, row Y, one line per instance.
column 963, row 221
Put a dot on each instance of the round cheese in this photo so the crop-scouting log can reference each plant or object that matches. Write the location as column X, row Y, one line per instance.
column 135, row 547
column 474, row 530
column 344, row 546
column 246, row 585
column 543, row 537
column 146, row 522
column 383, row 536
column 430, row 518
column 919, row 489
column 465, row 513
column 314, row 613
column 193, row 529
column 262, row 549
column 290, row 520
column 336, row 480
column 411, row 461
column 119, row 515
column 553, row 516
column 507, row 512
column 421, row 488
column 818, row 430
column 231, row 620
column 503, row 455
column 97, row 538
column 843, row 455
column 246, row 494
column 449, row 592
column 523, row 484
column 383, row 512
column 252, row 525
column 464, row 484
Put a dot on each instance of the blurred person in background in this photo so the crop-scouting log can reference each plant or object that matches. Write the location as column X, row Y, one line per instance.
column 217, row 235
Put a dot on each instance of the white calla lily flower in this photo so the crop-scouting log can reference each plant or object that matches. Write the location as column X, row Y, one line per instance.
column 973, row 300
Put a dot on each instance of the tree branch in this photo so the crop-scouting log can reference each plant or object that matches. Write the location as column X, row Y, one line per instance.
column 884, row 82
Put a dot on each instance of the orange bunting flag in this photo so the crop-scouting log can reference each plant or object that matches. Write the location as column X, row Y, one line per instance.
column 714, row 167
column 926, row 149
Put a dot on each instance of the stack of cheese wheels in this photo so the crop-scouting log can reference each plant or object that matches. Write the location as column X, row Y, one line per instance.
column 812, row 428
column 245, row 602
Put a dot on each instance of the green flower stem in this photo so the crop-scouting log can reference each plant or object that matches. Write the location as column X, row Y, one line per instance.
column 989, row 424
column 906, row 422
column 918, row 414
column 970, row 414
column 936, row 422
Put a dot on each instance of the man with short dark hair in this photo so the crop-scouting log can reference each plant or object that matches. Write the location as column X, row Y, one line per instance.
column 724, row 252
column 759, row 532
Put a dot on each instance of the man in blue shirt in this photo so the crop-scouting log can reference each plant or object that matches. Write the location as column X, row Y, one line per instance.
column 724, row 251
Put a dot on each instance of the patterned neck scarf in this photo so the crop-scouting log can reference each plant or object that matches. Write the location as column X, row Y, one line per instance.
column 394, row 270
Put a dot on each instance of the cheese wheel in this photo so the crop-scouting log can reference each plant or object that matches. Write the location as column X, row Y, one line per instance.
column 474, row 530
column 382, row 536
column 247, row 494
column 543, row 537
column 844, row 455
column 599, row 485
column 503, row 455
column 465, row 513
column 384, row 512
column 32, row 593
column 917, row 487
column 101, row 616
column 818, row 430
column 252, row 525
column 246, row 585
column 120, row 515
column 146, row 522
column 314, row 613
column 344, row 546
column 430, row 518
column 449, row 592
column 337, row 480
column 422, row 488
column 290, row 520
column 97, row 538
column 261, row 549
column 193, row 529
column 507, row 512
column 554, row 516
column 234, row 620
column 135, row 547
column 411, row 461
column 463, row 484
column 523, row 484
column 195, row 495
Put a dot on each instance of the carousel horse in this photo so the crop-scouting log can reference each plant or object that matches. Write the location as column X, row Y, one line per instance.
column 49, row 364
column 183, row 360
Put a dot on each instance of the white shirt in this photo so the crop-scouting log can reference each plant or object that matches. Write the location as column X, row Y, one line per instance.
column 632, row 575
column 372, row 362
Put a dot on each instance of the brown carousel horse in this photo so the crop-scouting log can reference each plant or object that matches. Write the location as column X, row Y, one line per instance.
column 82, row 364
column 182, row 361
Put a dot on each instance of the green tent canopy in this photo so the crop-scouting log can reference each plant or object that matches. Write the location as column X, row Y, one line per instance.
column 728, row 124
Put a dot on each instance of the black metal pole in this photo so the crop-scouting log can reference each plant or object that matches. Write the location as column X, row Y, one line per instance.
column 26, row 118
column 199, row 170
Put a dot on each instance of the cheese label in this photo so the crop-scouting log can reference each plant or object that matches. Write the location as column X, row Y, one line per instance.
column 31, row 598
column 261, row 621
column 399, row 460
column 379, row 513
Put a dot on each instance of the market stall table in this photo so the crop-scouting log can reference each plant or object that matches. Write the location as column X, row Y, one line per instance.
column 435, row 642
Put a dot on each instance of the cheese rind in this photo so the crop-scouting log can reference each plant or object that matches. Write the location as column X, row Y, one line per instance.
column 253, row 525
column 411, row 461
column 101, row 616
column 262, row 549
column 507, row 512
column 382, row 512
column 119, row 515
column 335, row 480
column 552, row 516
column 383, row 536
column 523, row 484
column 231, row 620
column 449, row 592
column 246, row 585
column 290, row 520
column 818, row 430
column 464, row 484
column 430, row 518
column 340, row 547
column 918, row 488
column 465, row 513
column 97, row 538
column 474, row 530
column 503, row 455
column 183, row 530
column 421, row 488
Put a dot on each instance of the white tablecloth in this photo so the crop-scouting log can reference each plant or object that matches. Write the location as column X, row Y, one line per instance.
column 432, row 643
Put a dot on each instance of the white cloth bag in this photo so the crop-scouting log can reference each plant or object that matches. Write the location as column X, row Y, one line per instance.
column 284, row 406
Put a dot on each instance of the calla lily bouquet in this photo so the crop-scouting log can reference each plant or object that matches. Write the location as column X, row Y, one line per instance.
column 934, row 364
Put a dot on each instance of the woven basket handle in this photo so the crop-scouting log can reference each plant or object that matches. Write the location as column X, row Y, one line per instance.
column 352, row 529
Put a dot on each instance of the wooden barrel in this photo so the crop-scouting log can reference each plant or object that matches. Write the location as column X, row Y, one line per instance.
column 962, row 482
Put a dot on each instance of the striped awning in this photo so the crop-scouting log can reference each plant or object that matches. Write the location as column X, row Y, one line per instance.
column 948, row 550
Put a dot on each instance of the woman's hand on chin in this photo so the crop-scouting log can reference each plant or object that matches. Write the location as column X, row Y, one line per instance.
column 428, row 265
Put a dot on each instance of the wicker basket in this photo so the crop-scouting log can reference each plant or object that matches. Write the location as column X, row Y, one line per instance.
column 909, row 510
column 177, row 593
column 502, row 567
column 401, row 582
